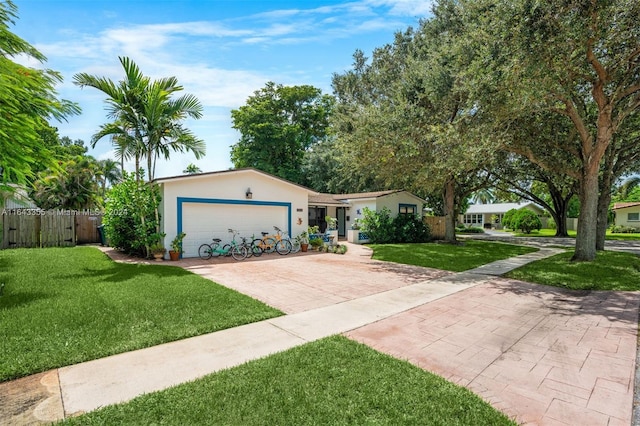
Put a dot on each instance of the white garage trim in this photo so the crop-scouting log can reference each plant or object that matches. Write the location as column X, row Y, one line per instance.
column 182, row 200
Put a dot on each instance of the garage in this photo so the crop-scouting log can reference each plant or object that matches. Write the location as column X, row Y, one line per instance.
column 206, row 205
column 209, row 219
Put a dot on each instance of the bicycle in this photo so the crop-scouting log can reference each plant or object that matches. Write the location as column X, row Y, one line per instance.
column 237, row 251
column 252, row 248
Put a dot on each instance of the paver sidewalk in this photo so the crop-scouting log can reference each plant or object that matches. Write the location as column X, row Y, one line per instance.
column 532, row 342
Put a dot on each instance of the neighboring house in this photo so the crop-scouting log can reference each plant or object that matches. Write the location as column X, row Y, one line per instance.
column 17, row 198
column 627, row 214
column 490, row 215
column 206, row 205
column 349, row 207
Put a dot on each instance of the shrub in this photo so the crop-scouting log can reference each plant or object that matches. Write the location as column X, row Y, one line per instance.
column 381, row 228
column 526, row 221
column 130, row 217
column 619, row 229
column 507, row 219
column 470, row 230
column 551, row 224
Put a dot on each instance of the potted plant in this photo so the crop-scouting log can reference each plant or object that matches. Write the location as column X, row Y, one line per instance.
column 303, row 240
column 157, row 250
column 176, row 246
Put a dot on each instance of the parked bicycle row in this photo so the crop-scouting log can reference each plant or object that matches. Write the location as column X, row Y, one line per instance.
column 242, row 247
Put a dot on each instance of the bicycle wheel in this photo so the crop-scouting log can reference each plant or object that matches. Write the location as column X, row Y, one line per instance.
column 283, row 247
column 205, row 251
column 269, row 245
column 239, row 252
column 226, row 250
column 295, row 246
column 255, row 250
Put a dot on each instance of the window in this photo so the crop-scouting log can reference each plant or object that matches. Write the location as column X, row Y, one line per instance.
column 633, row 217
column 408, row 210
column 473, row 219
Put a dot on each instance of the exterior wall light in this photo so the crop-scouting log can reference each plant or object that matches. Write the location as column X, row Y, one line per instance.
column 249, row 194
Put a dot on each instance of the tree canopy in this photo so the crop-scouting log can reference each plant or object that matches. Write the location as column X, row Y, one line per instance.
column 27, row 100
column 277, row 126
column 147, row 120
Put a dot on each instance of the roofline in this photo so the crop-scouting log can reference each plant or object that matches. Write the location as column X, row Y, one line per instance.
column 627, row 205
column 220, row 172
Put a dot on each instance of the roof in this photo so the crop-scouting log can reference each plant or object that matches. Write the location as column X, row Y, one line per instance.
column 358, row 195
column 498, row 208
column 323, row 199
column 617, row 206
column 230, row 171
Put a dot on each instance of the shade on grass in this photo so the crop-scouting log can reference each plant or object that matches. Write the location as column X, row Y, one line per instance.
column 62, row 306
column 609, row 271
column 328, row 382
column 457, row 258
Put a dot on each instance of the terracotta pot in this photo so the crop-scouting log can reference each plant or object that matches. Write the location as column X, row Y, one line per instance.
column 304, row 247
column 174, row 255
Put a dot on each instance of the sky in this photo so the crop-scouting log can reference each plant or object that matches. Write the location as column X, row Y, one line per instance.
column 221, row 51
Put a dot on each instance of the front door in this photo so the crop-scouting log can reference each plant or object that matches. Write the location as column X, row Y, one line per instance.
column 342, row 223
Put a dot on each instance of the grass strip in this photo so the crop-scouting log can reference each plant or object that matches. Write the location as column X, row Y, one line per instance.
column 62, row 306
column 609, row 271
column 457, row 258
column 333, row 381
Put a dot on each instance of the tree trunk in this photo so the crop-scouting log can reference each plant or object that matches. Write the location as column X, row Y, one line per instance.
column 587, row 221
column 603, row 217
column 449, row 211
column 559, row 212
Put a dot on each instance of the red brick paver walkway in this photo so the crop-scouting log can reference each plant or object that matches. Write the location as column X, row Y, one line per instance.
column 541, row 355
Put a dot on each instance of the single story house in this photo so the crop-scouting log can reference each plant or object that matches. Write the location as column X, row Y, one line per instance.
column 348, row 208
column 206, row 205
column 490, row 215
column 627, row 214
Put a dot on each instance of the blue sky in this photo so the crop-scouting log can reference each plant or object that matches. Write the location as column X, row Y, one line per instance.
column 220, row 50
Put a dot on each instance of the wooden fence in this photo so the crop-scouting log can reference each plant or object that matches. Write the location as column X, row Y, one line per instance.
column 436, row 223
column 49, row 228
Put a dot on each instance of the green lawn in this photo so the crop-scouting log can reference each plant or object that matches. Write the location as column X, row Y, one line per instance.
column 67, row 305
column 467, row 255
column 610, row 271
column 328, row 382
column 572, row 234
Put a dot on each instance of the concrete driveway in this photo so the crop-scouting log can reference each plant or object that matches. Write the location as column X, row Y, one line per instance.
column 301, row 282
column 542, row 355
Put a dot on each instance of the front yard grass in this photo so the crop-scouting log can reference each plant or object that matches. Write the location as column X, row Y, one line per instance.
column 572, row 234
column 457, row 258
column 62, row 306
column 327, row 382
column 610, row 271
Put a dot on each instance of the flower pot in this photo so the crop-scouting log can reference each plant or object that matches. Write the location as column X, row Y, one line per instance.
column 304, row 247
column 158, row 256
column 174, row 255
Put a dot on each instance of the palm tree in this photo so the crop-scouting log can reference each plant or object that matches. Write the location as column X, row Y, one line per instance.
column 108, row 173
column 625, row 189
column 192, row 169
column 146, row 118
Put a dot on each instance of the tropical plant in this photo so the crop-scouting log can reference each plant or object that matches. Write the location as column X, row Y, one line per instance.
column 131, row 220
column 176, row 243
column 147, row 120
column 192, row 169
column 27, row 100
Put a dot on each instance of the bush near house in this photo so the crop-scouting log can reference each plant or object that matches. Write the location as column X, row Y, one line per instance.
column 381, row 228
column 522, row 219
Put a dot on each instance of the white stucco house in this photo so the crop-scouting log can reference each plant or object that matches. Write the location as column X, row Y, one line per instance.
column 490, row 215
column 627, row 214
column 205, row 205
column 349, row 207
